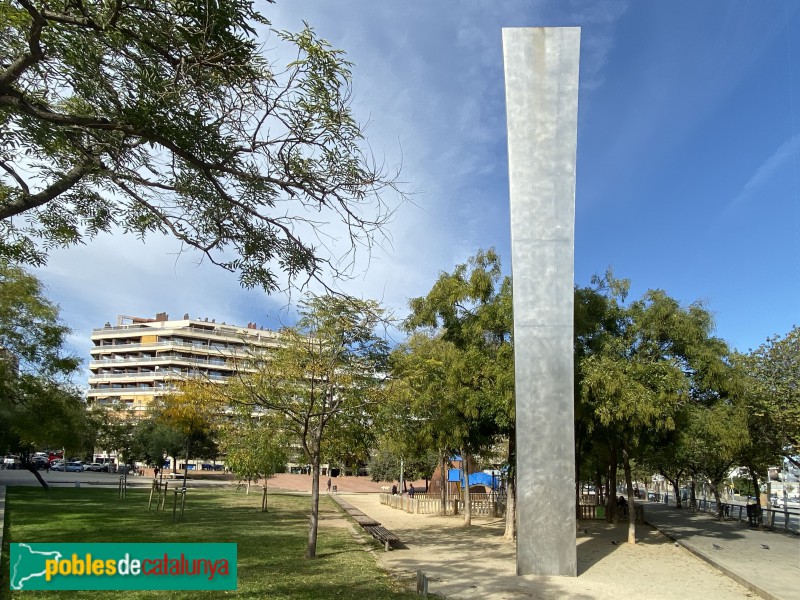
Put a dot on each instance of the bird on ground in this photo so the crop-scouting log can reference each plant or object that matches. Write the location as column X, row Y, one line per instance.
column 765, row 547
column 716, row 547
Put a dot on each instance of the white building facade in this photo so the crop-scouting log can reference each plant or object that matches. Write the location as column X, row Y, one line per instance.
column 139, row 359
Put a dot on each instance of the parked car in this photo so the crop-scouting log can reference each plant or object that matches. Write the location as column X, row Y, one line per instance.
column 71, row 467
column 11, row 462
column 95, row 467
column 39, row 462
column 777, row 501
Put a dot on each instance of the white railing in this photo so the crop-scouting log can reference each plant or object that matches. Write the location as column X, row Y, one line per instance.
column 221, row 333
column 146, row 375
column 484, row 505
column 232, row 350
column 119, row 391
column 151, row 375
column 171, row 358
column 431, row 504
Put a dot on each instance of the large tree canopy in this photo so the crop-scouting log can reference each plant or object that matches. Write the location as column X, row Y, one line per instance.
column 165, row 116
column 31, row 334
column 640, row 366
column 327, row 372
column 774, row 392
column 38, row 404
column 455, row 374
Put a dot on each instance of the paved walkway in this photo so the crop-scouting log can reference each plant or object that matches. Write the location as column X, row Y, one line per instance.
column 764, row 561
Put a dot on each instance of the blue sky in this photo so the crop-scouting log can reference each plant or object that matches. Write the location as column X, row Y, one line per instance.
column 688, row 167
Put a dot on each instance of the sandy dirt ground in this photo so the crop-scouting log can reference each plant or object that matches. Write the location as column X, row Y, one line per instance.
column 475, row 562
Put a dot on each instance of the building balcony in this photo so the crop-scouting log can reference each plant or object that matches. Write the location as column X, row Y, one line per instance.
column 240, row 350
column 155, row 376
column 163, row 359
column 147, row 390
column 232, row 335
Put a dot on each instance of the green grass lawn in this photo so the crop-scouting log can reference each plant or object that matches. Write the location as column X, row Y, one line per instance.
column 271, row 545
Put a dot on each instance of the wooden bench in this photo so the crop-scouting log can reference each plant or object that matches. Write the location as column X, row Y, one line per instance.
column 382, row 535
column 369, row 524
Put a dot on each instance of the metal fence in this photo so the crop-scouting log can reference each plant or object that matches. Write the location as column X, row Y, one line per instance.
column 786, row 519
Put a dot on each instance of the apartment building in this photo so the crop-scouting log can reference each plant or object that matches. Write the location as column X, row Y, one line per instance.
column 139, row 359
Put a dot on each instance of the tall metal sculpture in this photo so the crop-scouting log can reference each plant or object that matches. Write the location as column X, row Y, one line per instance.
column 541, row 71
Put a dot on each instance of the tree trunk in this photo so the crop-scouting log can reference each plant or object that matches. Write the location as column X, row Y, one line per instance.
column 511, row 510
column 676, row 486
column 693, row 494
column 757, row 494
column 444, row 484
column 599, row 500
column 186, row 465
column 626, row 465
column 511, row 489
column 467, row 499
column 611, row 497
column 718, row 500
column 41, row 481
column 311, row 551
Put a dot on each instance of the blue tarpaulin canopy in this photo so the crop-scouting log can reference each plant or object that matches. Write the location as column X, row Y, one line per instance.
column 483, row 479
column 474, row 479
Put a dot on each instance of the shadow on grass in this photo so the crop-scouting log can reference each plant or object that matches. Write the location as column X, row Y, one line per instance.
column 271, row 545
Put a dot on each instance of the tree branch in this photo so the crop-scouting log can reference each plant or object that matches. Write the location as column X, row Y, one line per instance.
column 29, row 201
column 17, row 178
column 21, row 64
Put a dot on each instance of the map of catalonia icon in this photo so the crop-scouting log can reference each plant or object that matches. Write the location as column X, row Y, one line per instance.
column 27, row 563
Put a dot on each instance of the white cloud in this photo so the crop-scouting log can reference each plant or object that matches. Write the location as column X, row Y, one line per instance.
column 784, row 155
column 428, row 79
